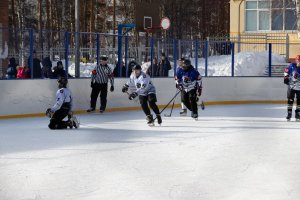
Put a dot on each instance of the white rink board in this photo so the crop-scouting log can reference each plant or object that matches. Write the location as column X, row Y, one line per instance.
column 20, row 97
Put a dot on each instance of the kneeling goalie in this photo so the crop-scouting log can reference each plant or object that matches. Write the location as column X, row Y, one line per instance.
column 62, row 108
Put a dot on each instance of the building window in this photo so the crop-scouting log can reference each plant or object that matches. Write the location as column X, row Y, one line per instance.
column 274, row 15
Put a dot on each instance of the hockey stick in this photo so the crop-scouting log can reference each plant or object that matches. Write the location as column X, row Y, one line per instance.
column 202, row 105
column 169, row 115
column 167, row 104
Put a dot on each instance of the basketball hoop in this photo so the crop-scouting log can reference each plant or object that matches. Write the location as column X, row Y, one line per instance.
column 153, row 29
column 165, row 24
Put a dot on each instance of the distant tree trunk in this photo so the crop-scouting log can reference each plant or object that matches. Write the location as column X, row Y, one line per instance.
column 40, row 23
column 14, row 23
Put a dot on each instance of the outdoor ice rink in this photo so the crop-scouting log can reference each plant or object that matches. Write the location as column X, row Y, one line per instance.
column 234, row 152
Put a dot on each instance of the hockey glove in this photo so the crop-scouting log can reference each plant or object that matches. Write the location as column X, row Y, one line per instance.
column 125, row 88
column 49, row 113
column 296, row 75
column 179, row 87
column 286, row 80
column 199, row 91
column 132, row 96
column 112, row 88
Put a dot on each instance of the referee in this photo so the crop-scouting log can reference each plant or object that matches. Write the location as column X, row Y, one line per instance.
column 99, row 83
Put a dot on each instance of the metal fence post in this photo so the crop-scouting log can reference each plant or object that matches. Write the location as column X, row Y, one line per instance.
column 126, row 55
column 120, row 47
column 151, row 55
column 98, row 48
column 175, row 55
column 206, row 57
column 67, row 53
column 232, row 59
column 196, row 54
column 31, row 52
column 270, row 59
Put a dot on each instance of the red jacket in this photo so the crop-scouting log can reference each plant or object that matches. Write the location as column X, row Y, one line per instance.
column 22, row 72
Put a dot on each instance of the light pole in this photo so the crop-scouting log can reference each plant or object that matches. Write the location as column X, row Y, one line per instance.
column 239, row 27
column 77, row 30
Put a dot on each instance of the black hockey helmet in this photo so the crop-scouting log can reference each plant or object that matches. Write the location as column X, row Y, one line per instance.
column 186, row 64
column 62, row 82
column 137, row 67
column 104, row 58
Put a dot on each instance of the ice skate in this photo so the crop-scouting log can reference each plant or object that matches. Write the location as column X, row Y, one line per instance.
column 183, row 113
column 289, row 116
column 150, row 120
column 159, row 120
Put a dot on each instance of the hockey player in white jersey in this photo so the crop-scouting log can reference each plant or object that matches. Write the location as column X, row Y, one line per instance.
column 62, row 108
column 145, row 90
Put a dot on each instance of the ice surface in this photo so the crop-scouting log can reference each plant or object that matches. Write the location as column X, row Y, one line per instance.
column 239, row 152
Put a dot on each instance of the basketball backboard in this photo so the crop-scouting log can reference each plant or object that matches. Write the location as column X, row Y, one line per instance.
column 147, row 16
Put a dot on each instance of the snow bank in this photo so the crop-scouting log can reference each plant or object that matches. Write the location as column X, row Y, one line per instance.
column 246, row 64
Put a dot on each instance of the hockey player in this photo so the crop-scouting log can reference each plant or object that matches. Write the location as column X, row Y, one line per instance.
column 189, row 82
column 145, row 90
column 292, row 79
column 62, row 108
column 184, row 109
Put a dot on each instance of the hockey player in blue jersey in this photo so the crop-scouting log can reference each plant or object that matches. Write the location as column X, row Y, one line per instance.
column 292, row 79
column 145, row 90
column 189, row 82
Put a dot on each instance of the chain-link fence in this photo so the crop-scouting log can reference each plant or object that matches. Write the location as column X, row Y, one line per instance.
column 243, row 55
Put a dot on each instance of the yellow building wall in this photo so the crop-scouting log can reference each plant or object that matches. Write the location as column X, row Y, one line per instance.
column 294, row 46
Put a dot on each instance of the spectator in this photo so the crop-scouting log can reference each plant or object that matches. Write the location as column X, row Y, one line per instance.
column 164, row 66
column 23, row 72
column 152, row 70
column 131, row 64
column 12, row 69
column 37, row 70
column 47, row 68
column 59, row 71
column 117, row 70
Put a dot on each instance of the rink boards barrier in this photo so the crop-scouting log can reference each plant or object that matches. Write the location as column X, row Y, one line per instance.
column 29, row 98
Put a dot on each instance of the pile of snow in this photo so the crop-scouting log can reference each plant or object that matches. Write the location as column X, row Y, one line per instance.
column 85, row 69
column 245, row 64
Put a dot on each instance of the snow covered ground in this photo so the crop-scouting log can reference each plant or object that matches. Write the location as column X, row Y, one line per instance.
column 234, row 152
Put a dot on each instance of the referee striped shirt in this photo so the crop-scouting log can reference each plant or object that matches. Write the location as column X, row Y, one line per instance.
column 103, row 73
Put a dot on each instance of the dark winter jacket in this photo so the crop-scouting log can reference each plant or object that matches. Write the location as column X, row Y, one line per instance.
column 47, row 68
column 37, row 70
column 163, row 68
column 117, row 71
column 12, row 69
